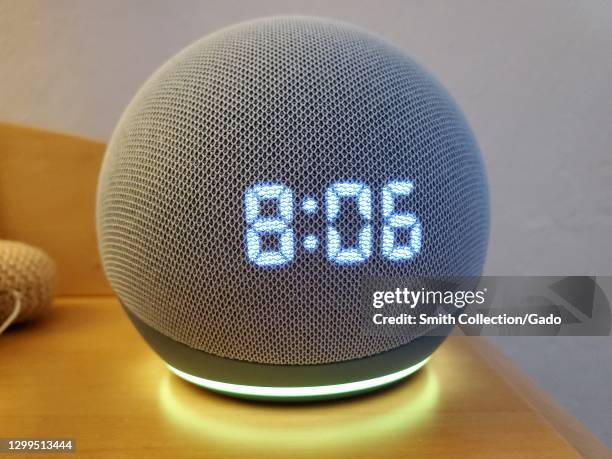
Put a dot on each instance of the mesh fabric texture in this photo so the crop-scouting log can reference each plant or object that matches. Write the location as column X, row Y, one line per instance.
column 303, row 102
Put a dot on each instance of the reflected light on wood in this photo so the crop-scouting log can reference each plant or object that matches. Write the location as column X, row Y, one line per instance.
column 395, row 411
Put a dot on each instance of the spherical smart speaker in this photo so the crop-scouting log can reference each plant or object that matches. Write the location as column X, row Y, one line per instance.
column 254, row 182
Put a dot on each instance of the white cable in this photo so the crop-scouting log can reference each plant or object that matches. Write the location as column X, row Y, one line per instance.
column 16, row 310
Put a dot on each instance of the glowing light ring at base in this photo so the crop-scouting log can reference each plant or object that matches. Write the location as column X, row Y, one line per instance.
column 297, row 392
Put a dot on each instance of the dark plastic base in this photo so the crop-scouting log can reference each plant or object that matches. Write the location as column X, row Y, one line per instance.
column 194, row 363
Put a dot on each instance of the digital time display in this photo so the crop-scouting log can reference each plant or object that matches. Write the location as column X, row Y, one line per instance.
column 259, row 225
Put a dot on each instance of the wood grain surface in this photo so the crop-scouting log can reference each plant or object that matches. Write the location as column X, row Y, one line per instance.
column 84, row 372
column 48, row 187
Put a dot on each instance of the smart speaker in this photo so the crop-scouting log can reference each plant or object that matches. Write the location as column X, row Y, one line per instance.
column 254, row 182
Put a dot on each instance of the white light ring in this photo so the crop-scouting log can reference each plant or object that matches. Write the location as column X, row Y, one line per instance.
column 297, row 392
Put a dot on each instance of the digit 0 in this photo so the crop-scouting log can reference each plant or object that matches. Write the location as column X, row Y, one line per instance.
column 334, row 195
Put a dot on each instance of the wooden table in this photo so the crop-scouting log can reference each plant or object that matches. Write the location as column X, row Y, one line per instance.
column 84, row 372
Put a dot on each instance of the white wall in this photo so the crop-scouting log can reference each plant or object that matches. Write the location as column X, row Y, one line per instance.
column 533, row 77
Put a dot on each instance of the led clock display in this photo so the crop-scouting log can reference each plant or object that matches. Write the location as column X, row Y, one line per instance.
column 280, row 226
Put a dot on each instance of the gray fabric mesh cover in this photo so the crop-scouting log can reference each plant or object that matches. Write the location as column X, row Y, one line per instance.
column 300, row 101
